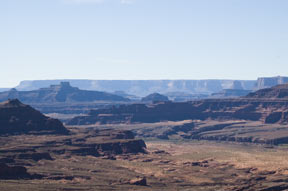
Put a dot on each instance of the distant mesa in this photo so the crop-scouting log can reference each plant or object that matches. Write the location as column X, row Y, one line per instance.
column 231, row 93
column 18, row 118
column 60, row 93
column 237, row 85
column 268, row 82
column 155, row 97
column 183, row 96
column 142, row 88
column 279, row 92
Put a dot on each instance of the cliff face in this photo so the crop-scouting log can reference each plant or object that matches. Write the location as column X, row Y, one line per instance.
column 269, row 82
column 145, row 87
column 276, row 92
column 108, row 142
column 16, row 118
column 59, row 93
column 218, row 109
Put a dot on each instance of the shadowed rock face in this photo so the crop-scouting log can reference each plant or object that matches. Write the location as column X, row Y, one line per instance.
column 59, row 93
column 217, row 109
column 155, row 97
column 276, row 92
column 34, row 156
column 17, row 118
column 17, row 172
column 109, row 142
column 268, row 105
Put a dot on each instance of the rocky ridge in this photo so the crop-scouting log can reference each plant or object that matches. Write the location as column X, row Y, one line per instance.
column 275, row 92
column 18, row 118
column 155, row 97
column 59, row 94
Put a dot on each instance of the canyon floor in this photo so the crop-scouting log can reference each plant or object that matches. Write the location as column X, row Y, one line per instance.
column 166, row 165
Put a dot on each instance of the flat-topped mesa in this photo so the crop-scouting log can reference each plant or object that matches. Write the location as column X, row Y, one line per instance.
column 63, row 86
column 60, row 93
column 18, row 118
column 270, row 82
column 276, row 92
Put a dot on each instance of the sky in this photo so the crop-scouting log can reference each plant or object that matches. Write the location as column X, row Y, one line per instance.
column 142, row 39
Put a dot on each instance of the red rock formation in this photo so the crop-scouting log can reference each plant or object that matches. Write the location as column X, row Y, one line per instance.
column 17, row 118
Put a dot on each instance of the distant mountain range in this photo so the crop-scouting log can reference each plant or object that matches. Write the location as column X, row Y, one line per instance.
column 145, row 87
column 141, row 88
column 59, row 93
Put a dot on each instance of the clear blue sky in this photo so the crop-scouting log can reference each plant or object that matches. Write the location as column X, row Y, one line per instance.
column 142, row 39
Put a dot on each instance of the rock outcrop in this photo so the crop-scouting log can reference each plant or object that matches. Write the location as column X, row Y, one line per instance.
column 231, row 93
column 34, row 156
column 18, row 118
column 216, row 109
column 59, row 94
column 108, row 143
column 155, row 97
column 138, row 181
column 276, row 92
column 16, row 172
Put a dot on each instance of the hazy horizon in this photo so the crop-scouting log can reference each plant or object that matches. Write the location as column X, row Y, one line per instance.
column 67, row 79
column 142, row 39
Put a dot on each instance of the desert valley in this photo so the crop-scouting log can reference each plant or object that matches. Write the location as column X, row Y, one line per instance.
column 91, row 140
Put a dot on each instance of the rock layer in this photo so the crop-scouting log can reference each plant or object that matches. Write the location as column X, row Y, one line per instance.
column 217, row 109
